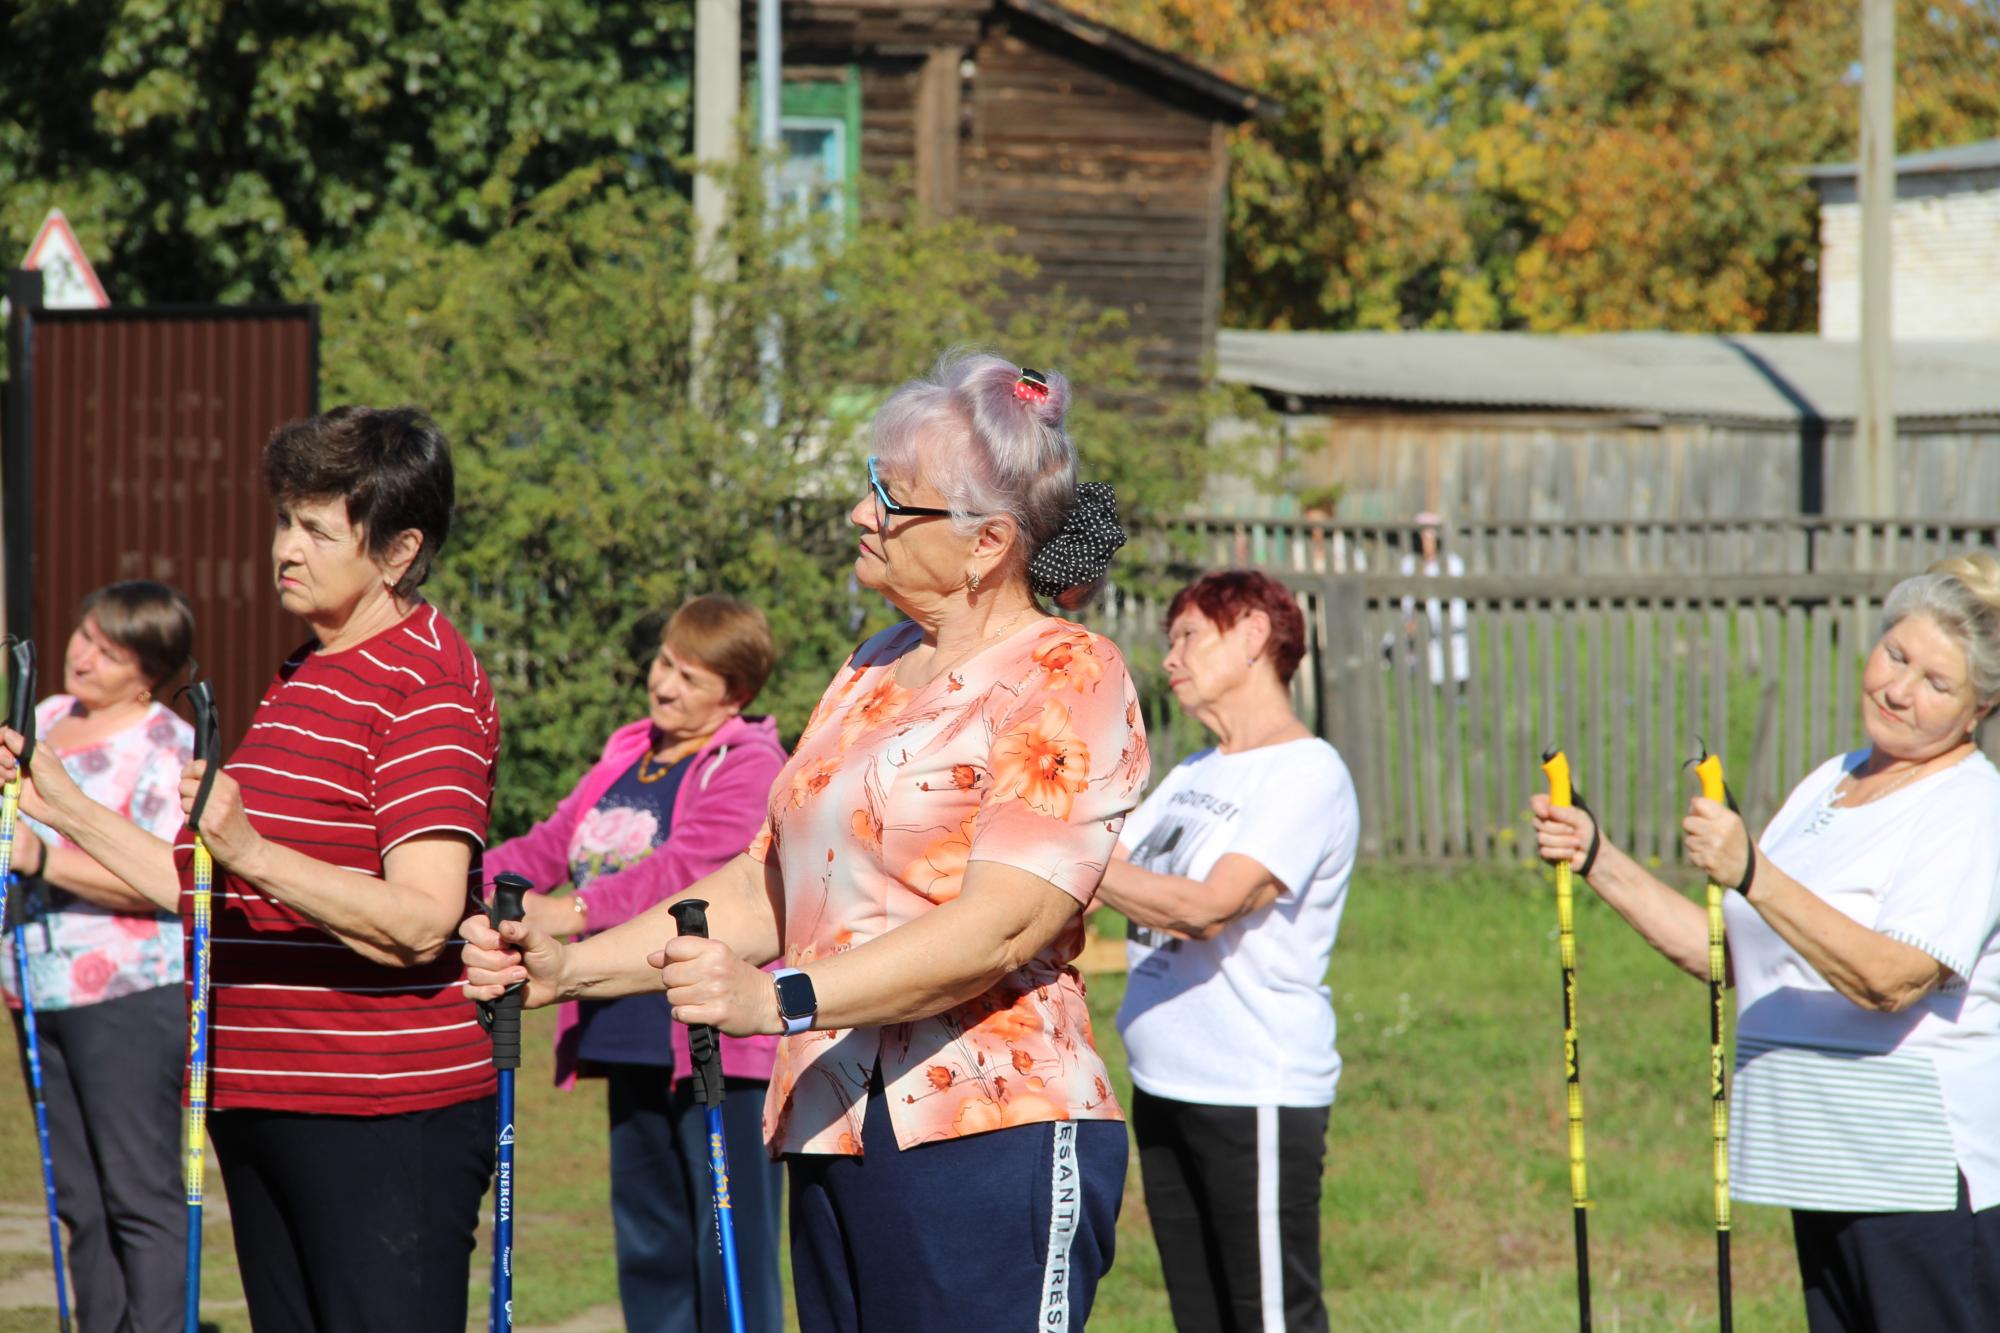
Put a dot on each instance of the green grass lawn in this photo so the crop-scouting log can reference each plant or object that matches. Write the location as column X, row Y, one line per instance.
column 1446, row 1204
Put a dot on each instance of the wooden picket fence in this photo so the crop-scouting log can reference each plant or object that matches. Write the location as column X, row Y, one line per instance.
column 1789, row 544
column 1629, row 672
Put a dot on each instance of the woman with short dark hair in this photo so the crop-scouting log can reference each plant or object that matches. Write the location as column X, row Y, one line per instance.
column 103, row 963
column 1232, row 874
column 350, row 1082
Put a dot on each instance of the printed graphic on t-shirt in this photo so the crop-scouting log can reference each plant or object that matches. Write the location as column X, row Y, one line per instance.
column 1168, row 849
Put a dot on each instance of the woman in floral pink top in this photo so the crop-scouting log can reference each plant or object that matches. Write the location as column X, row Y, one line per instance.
column 956, row 1154
column 104, row 964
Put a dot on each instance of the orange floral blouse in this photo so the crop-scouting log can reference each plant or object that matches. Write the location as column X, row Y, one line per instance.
column 1028, row 755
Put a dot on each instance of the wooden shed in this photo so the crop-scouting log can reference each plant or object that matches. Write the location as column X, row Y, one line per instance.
column 1106, row 156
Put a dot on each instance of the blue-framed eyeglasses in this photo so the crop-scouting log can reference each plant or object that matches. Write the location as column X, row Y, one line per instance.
column 890, row 505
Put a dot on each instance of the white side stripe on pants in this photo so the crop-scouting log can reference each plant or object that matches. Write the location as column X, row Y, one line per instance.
column 1270, row 1257
column 1065, row 1216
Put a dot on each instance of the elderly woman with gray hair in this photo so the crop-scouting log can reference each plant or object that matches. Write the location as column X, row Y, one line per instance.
column 955, row 1152
column 1864, row 943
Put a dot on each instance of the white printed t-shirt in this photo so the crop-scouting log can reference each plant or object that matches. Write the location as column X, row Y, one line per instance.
column 1246, row 1018
column 1840, row 1108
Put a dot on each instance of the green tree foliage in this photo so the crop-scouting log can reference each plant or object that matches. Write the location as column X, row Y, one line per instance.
column 1554, row 164
column 243, row 149
column 596, row 492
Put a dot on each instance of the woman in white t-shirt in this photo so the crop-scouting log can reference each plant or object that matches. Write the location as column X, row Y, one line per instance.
column 1864, row 942
column 1233, row 874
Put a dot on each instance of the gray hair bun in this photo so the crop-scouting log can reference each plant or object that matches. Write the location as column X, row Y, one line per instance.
column 1080, row 553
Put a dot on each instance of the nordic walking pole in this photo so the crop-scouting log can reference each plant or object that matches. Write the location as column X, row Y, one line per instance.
column 691, row 915
column 1556, row 765
column 34, row 1047
column 21, row 717
column 1709, row 769
column 503, row 1020
column 194, row 1120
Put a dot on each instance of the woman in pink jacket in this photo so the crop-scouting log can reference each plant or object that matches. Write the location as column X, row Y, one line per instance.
column 676, row 795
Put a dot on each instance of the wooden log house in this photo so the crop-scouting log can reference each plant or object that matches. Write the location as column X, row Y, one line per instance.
column 1107, row 157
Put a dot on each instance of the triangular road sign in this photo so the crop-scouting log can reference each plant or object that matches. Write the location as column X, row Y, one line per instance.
column 68, row 280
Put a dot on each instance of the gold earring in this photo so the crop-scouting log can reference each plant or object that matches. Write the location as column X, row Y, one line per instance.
column 145, row 696
column 972, row 581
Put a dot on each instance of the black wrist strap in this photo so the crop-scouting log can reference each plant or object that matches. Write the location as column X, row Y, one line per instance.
column 1596, row 833
column 1749, row 872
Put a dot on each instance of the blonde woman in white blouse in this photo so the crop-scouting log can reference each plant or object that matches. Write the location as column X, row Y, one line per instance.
column 1864, row 943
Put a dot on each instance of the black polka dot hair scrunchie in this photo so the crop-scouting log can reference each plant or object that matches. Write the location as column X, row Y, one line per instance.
column 1081, row 552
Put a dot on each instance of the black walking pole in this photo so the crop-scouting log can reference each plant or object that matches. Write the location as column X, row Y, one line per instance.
column 691, row 915
column 503, row 1020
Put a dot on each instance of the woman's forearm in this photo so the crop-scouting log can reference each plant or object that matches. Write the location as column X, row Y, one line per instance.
column 140, row 863
column 1192, row 908
column 1864, row 965
column 403, row 919
column 76, row 872
column 741, row 911
column 950, row 954
column 1665, row 918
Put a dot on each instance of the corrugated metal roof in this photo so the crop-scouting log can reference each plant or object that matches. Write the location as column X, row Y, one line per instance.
column 1982, row 156
column 1747, row 377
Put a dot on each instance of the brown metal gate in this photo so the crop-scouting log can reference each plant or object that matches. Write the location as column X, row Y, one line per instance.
column 131, row 451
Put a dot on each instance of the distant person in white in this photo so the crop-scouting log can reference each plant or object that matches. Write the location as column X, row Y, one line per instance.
column 1865, row 947
column 1233, row 873
column 1446, row 617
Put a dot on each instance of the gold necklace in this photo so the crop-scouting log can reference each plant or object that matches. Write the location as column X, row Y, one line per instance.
column 1847, row 785
column 673, row 755
column 985, row 641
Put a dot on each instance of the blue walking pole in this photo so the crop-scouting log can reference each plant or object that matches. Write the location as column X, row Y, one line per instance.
column 15, row 909
column 691, row 915
column 503, row 1021
column 194, row 1120
column 18, row 903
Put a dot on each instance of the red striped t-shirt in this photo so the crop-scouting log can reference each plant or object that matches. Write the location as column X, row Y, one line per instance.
column 349, row 754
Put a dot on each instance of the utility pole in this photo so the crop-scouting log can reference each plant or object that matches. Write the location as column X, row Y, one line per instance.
column 770, row 139
column 1875, row 425
column 718, row 95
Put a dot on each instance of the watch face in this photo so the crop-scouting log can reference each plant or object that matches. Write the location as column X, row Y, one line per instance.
column 795, row 996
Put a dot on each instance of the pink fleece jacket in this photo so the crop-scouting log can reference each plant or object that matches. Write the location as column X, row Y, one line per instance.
column 719, row 809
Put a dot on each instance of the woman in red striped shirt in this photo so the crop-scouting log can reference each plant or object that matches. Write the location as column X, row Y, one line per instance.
column 351, row 1084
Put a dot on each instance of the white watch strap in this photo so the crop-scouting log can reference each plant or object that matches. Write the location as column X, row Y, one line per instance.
column 793, row 1026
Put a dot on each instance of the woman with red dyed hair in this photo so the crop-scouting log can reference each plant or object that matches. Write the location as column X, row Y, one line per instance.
column 1233, row 874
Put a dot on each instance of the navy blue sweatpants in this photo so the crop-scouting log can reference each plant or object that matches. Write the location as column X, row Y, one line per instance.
column 1004, row 1231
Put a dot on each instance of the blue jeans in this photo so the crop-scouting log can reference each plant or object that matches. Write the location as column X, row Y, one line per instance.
column 663, row 1204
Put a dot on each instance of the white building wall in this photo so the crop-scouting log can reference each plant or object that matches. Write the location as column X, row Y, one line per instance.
column 1945, row 232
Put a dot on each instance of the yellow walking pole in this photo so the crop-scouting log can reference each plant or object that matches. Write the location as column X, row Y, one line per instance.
column 1709, row 769
column 1556, row 765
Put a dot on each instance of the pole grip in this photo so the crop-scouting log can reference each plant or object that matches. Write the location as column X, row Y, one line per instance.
column 21, row 706
column 691, row 917
column 1555, row 765
column 207, row 740
column 510, row 903
column 1709, row 770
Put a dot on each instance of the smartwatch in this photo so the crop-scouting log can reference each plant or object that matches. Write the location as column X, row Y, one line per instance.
column 797, row 1004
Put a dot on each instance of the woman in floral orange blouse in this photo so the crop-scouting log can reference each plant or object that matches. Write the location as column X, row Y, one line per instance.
column 956, row 1154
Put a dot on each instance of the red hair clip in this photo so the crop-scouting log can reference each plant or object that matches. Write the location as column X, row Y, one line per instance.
column 1031, row 387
